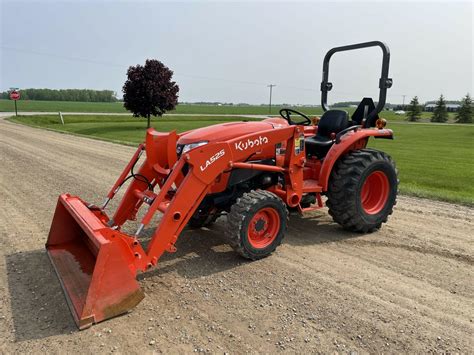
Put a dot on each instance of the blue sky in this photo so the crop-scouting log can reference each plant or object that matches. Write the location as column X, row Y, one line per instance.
column 231, row 51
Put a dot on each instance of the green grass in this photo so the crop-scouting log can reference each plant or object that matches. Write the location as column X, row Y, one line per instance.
column 434, row 161
column 63, row 106
column 117, row 107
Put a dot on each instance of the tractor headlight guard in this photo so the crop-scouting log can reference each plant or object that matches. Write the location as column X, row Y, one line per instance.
column 191, row 146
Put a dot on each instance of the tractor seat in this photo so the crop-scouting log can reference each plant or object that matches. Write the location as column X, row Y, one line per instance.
column 332, row 121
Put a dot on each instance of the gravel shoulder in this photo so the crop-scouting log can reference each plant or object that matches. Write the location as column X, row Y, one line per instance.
column 407, row 288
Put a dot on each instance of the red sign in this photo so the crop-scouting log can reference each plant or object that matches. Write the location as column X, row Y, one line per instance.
column 15, row 95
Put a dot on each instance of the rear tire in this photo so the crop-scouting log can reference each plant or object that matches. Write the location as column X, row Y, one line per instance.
column 363, row 190
column 256, row 224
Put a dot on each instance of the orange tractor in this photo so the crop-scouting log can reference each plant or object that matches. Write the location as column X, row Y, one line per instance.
column 252, row 172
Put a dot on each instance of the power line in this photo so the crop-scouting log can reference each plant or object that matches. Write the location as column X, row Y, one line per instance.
column 111, row 64
column 75, row 59
column 184, row 75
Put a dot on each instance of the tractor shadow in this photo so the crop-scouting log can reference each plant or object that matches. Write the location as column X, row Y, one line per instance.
column 205, row 251
column 200, row 252
column 39, row 309
column 316, row 228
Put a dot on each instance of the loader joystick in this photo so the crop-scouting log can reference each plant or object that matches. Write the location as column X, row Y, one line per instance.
column 286, row 114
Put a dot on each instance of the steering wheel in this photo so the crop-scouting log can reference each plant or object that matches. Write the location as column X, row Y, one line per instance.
column 286, row 114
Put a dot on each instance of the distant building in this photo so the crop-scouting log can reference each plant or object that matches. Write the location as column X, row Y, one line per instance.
column 453, row 107
column 449, row 107
column 430, row 107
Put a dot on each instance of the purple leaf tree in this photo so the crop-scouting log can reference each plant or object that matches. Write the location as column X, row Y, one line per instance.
column 150, row 90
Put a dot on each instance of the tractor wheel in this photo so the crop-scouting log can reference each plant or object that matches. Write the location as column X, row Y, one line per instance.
column 256, row 224
column 362, row 190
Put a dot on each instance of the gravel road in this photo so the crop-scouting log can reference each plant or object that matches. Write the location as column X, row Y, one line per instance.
column 407, row 288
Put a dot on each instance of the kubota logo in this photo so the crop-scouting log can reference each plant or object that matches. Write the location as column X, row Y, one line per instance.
column 213, row 159
column 250, row 143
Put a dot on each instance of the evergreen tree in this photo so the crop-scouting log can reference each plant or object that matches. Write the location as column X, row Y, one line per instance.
column 414, row 110
column 466, row 111
column 440, row 113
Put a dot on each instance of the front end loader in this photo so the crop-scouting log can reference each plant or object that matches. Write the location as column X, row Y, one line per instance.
column 251, row 172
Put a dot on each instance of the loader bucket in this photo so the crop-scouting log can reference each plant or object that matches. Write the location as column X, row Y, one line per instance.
column 93, row 267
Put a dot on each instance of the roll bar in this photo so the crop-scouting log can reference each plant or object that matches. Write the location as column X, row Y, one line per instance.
column 384, row 83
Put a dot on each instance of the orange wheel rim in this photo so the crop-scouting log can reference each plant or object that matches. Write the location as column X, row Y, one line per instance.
column 263, row 228
column 375, row 192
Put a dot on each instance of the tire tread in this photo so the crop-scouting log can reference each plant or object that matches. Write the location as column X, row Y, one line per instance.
column 343, row 189
column 238, row 212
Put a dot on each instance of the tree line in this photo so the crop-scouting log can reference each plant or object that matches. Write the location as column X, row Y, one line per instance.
column 440, row 113
column 83, row 95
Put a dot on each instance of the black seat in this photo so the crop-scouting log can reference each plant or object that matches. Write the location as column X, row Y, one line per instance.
column 332, row 121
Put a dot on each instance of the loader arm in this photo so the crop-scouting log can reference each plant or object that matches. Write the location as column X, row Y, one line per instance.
column 206, row 163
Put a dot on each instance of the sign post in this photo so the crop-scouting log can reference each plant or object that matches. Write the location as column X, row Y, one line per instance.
column 15, row 96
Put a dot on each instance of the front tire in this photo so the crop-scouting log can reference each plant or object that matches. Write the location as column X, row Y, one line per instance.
column 363, row 190
column 256, row 224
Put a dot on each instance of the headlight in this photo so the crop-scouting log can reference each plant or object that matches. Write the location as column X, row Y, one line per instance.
column 188, row 147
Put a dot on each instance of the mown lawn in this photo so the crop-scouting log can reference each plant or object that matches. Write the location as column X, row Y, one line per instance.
column 435, row 161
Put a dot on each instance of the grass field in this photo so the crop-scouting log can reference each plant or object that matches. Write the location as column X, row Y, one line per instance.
column 117, row 107
column 434, row 161
column 63, row 106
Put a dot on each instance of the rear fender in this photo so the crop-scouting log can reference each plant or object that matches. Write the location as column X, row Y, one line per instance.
column 350, row 141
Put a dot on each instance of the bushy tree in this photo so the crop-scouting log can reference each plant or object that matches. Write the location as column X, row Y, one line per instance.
column 149, row 90
column 466, row 111
column 440, row 113
column 414, row 110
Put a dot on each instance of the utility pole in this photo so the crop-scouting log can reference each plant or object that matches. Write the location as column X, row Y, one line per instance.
column 403, row 105
column 270, row 104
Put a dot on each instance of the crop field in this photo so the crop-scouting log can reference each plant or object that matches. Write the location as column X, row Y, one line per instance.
column 117, row 107
column 434, row 160
column 63, row 106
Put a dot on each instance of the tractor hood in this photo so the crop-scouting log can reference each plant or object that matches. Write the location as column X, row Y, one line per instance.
column 224, row 131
